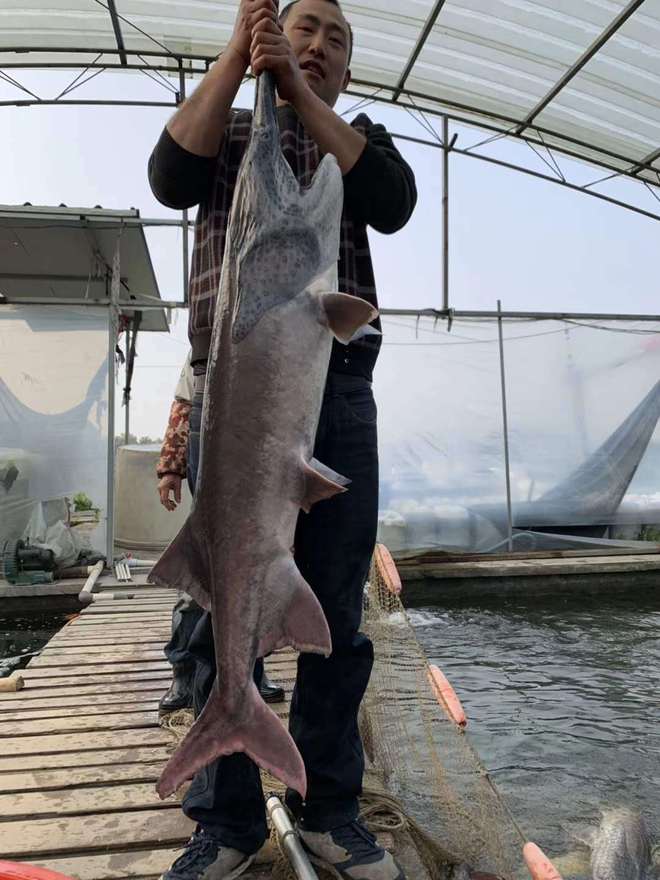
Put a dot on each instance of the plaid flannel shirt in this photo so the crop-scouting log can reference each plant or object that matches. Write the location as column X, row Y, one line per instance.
column 379, row 191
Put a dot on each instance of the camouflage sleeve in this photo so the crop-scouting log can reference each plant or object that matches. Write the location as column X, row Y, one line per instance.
column 173, row 455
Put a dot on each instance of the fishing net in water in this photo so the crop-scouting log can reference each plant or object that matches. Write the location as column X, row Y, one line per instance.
column 426, row 793
column 419, row 755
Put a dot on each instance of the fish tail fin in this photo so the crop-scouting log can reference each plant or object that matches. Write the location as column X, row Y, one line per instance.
column 182, row 566
column 302, row 625
column 258, row 732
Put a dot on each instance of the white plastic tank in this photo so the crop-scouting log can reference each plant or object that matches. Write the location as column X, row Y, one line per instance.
column 141, row 522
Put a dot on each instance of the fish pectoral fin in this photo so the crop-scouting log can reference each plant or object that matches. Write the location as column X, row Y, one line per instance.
column 346, row 314
column 258, row 732
column 584, row 834
column 321, row 482
column 181, row 566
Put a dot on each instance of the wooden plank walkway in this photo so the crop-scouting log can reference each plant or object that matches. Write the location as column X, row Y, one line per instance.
column 81, row 747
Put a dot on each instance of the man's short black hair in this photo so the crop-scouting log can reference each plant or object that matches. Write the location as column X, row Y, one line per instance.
column 284, row 14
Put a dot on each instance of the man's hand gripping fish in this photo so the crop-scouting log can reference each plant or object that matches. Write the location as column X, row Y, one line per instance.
column 275, row 321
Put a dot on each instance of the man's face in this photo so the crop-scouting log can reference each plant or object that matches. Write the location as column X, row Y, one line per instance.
column 320, row 38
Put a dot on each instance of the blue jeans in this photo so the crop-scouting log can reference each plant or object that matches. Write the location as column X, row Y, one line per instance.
column 333, row 548
column 186, row 612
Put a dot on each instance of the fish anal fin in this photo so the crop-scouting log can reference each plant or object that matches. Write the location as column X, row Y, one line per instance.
column 346, row 314
column 305, row 625
column 181, row 566
column 321, row 482
column 300, row 621
column 258, row 733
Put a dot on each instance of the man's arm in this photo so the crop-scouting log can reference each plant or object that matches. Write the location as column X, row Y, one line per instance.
column 380, row 189
column 171, row 468
column 183, row 159
column 199, row 124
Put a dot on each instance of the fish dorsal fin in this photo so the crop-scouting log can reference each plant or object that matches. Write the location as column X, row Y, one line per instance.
column 346, row 314
column 321, row 482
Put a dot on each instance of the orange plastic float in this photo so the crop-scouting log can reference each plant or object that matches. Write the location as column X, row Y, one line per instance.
column 23, row 871
column 538, row 864
column 387, row 569
column 446, row 696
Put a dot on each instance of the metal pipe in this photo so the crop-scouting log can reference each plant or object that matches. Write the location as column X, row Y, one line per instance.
column 122, row 305
column 85, row 596
column 445, row 213
column 70, row 103
column 184, row 213
column 530, row 172
column 289, row 840
column 127, row 420
column 361, row 88
column 113, row 322
column 130, row 363
column 110, row 483
column 428, row 312
column 418, row 48
column 186, row 259
column 506, row 430
column 530, row 316
column 93, row 221
column 581, row 62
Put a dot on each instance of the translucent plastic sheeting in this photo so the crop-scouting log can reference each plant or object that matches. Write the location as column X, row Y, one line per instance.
column 53, row 421
column 583, row 409
column 583, row 71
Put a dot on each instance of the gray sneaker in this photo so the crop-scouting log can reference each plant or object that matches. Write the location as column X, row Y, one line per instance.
column 351, row 853
column 205, row 858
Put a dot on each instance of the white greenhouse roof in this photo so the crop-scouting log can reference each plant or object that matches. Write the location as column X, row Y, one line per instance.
column 580, row 75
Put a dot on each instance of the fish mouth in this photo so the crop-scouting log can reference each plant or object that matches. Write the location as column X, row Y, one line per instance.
column 313, row 67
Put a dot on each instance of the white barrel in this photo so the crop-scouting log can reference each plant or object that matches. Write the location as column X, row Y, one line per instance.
column 141, row 522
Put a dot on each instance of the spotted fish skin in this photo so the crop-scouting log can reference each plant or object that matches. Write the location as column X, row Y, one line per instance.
column 276, row 315
column 621, row 848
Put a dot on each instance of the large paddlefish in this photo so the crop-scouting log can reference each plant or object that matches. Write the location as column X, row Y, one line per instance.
column 276, row 316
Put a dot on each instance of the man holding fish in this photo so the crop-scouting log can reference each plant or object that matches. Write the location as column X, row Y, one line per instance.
column 264, row 361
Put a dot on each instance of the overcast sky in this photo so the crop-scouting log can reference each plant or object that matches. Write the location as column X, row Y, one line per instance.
column 531, row 244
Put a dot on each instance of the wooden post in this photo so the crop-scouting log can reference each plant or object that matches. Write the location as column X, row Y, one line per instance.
column 12, row 684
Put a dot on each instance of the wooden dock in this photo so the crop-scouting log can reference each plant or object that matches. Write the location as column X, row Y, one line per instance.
column 81, row 747
column 445, row 577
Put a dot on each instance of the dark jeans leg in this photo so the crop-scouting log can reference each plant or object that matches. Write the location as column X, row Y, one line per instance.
column 225, row 797
column 334, row 545
column 186, row 613
column 185, row 616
